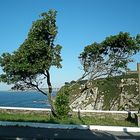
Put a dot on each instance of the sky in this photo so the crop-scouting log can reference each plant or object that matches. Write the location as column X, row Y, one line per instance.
column 80, row 23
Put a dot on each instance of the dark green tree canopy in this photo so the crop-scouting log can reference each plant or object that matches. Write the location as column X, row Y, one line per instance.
column 110, row 57
column 35, row 56
column 28, row 66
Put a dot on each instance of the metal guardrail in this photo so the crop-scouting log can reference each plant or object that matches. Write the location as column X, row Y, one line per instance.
column 103, row 111
column 74, row 110
column 26, row 108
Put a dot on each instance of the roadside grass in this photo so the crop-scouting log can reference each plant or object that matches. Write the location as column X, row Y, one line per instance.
column 69, row 120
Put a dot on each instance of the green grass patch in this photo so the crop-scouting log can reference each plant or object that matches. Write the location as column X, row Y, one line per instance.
column 69, row 120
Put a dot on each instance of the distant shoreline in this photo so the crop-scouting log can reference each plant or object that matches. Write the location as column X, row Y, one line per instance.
column 31, row 99
column 32, row 90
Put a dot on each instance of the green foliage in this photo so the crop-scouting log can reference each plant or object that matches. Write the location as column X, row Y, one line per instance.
column 86, row 120
column 73, row 82
column 110, row 89
column 30, row 64
column 35, row 56
column 111, row 56
column 62, row 104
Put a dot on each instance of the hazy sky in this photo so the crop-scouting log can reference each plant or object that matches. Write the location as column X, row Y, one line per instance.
column 80, row 23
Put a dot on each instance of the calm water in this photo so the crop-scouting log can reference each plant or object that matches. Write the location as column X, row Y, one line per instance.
column 24, row 99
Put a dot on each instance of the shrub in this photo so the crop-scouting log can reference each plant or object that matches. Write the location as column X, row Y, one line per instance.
column 62, row 104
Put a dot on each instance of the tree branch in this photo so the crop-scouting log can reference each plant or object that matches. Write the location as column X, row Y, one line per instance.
column 34, row 85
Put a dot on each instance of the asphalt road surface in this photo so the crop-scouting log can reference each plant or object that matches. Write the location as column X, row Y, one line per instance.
column 28, row 133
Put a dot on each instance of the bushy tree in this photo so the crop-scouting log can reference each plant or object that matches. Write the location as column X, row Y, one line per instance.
column 110, row 57
column 62, row 103
column 29, row 66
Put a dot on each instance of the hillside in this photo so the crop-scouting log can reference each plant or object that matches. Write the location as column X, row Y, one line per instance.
column 117, row 93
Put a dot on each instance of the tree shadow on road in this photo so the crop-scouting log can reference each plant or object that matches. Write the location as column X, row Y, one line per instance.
column 29, row 133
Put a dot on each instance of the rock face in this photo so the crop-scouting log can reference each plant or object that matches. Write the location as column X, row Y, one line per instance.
column 129, row 100
column 120, row 95
column 89, row 99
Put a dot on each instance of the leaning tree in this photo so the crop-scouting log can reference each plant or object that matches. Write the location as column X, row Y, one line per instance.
column 110, row 57
column 29, row 66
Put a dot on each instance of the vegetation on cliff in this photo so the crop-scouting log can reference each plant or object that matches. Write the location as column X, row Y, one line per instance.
column 113, row 93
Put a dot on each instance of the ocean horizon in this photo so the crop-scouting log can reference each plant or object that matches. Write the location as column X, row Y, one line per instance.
column 32, row 99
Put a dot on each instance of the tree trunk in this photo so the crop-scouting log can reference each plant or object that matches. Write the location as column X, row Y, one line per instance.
column 50, row 94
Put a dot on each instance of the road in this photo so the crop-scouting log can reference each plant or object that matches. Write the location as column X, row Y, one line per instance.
column 28, row 133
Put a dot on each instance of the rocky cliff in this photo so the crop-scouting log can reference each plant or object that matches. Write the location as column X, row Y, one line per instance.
column 117, row 93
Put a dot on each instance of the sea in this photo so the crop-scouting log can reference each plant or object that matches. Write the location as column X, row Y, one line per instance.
column 31, row 99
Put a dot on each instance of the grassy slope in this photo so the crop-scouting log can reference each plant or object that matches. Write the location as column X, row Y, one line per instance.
column 111, row 90
column 108, row 87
